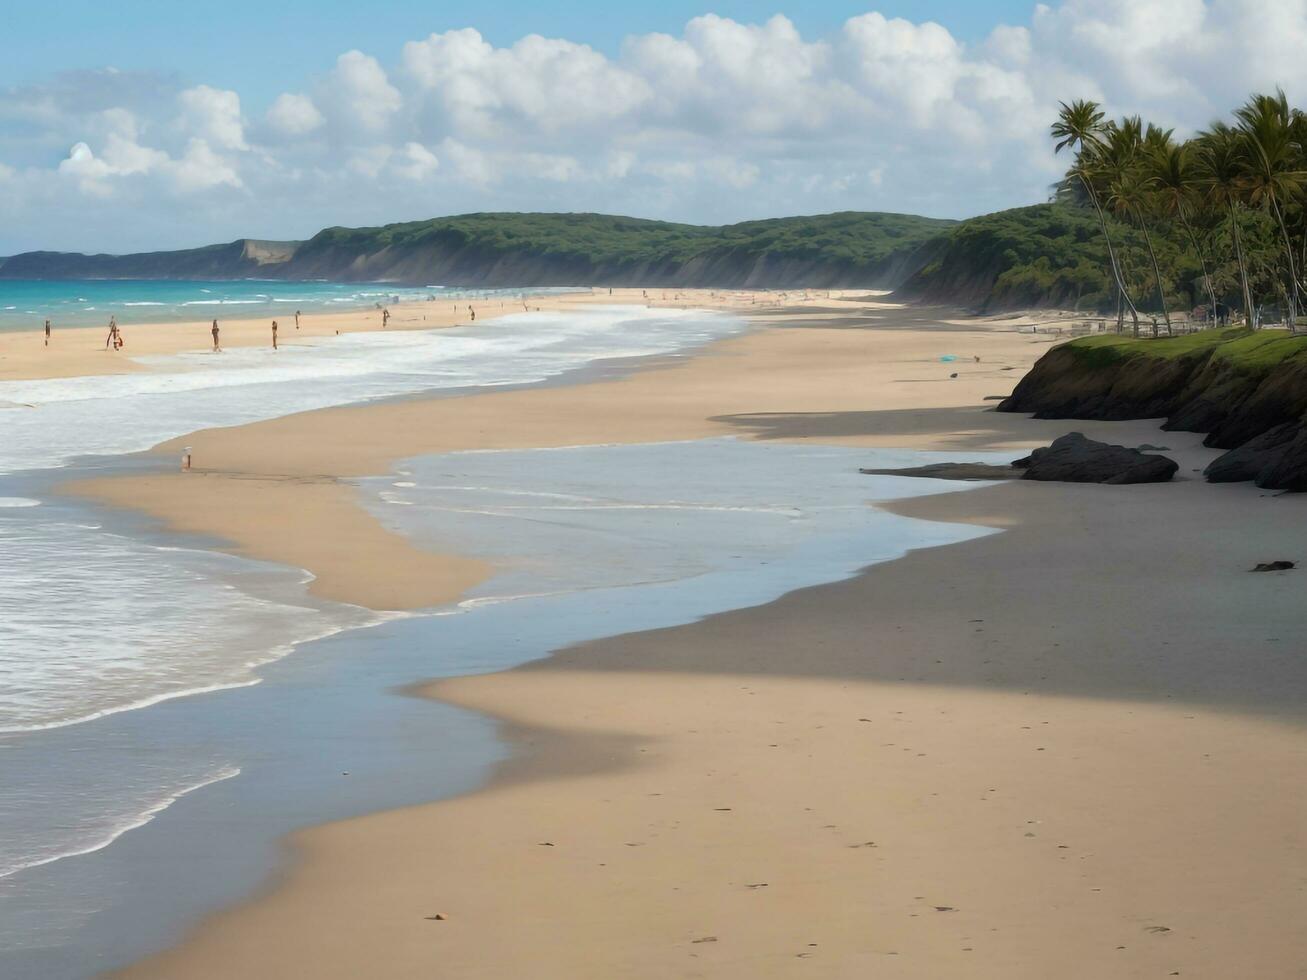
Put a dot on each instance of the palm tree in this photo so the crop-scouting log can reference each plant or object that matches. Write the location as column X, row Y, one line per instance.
column 1173, row 175
column 1080, row 127
column 1221, row 168
column 1273, row 172
column 1128, row 192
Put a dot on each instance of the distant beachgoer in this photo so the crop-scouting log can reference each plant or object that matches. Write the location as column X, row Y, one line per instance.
column 297, row 319
column 274, row 334
column 47, row 333
column 472, row 311
column 113, row 333
column 385, row 318
column 118, row 339
column 214, row 330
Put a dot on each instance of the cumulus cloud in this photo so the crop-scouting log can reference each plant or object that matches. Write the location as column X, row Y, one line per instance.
column 719, row 121
column 358, row 94
column 417, row 162
column 213, row 115
column 293, row 114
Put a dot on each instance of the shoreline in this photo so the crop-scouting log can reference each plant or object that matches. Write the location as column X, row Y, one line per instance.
column 644, row 782
column 250, row 483
column 634, row 760
column 80, row 351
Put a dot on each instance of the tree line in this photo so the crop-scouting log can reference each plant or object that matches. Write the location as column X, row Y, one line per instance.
column 1234, row 197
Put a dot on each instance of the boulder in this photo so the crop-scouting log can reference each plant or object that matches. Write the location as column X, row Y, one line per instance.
column 1253, row 458
column 1289, row 471
column 1072, row 458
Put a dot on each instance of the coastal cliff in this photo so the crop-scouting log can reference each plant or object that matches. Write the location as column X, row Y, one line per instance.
column 844, row 249
column 1247, row 390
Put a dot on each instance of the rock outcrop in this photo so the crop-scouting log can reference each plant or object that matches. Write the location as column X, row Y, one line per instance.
column 1247, row 391
column 1073, row 458
column 953, row 471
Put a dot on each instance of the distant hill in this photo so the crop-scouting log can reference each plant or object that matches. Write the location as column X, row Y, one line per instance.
column 1043, row 255
column 240, row 259
column 844, row 249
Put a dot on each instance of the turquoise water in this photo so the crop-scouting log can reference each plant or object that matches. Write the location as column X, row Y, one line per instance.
column 25, row 303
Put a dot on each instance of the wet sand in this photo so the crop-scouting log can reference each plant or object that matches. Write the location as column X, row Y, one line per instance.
column 1073, row 749
column 808, row 371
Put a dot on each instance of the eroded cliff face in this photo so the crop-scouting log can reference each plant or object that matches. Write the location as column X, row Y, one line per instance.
column 440, row 264
column 240, row 259
column 1251, row 400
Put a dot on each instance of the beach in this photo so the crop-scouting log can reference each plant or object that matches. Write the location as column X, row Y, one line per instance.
column 1068, row 748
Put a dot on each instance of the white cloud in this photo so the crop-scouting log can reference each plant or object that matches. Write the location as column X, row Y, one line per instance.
column 358, row 94
column 213, row 115
column 200, row 169
column 538, row 82
column 417, row 162
column 720, row 120
column 293, row 114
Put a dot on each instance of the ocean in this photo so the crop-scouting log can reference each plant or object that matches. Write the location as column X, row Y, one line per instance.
column 26, row 303
column 168, row 712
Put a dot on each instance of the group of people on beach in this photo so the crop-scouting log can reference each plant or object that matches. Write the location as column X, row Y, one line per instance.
column 115, row 339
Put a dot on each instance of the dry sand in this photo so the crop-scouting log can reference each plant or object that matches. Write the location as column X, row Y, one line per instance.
column 1072, row 749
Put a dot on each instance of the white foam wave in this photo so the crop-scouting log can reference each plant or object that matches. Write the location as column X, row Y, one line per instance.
column 19, row 502
column 132, row 823
column 124, row 413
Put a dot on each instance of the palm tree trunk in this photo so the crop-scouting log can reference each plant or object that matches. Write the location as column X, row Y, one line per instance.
column 1157, row 272
column 1293, row 269
column 1202, row 261
column 1111, row 252
column 1243, row 268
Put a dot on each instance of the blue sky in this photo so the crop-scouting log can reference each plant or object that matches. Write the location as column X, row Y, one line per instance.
column 262, row 48
column 144, row 124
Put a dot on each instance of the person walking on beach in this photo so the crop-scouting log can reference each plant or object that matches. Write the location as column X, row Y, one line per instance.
column 47, row 332
column 297, row 319
column 214, row 330
column 385, row 318
column 473, row 312
column 274, row 334
column 111, row 340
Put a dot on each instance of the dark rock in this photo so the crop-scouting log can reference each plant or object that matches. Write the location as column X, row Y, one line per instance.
column 1254, row 457
column 1072, row 458
column 1147, row 448
column 953, row 471
column 1289, row 472
column 1274, row 566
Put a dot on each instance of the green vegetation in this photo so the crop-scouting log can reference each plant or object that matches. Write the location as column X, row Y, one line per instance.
column 1045, row 255
column 847, row 239
column 1233, row 197
column 1245, row 350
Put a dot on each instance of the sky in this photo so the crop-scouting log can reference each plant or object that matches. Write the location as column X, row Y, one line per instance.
column 143, row 124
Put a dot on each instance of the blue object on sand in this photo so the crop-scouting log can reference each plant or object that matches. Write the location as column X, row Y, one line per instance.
column 949, row 357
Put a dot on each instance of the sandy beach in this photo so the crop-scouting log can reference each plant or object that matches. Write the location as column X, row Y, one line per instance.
column 1068, row 749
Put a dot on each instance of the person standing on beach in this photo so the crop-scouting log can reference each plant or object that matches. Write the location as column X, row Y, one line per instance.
column 473, row 312
column 109, row 341
column 274, row 334
column 385, row 318
column 297, row 319
column 47, row 333
column 214, row 331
